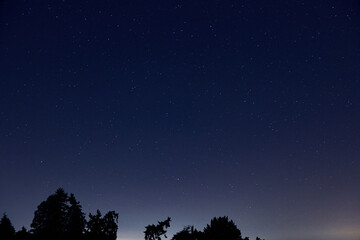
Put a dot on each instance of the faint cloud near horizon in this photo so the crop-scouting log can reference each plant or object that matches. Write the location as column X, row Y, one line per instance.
column 351, row 233
column 335, row 233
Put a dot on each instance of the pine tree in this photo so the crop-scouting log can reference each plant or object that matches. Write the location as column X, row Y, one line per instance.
column 7, row 231
column 76, row 219
column 50, row 219
column 23, row 234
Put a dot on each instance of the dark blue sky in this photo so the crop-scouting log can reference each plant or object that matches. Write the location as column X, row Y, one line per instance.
column 188, row 109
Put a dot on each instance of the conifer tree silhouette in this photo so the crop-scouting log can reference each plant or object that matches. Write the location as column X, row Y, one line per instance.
column 23, row 234
column 76, row 219
column 50, row 218
column 7, row 231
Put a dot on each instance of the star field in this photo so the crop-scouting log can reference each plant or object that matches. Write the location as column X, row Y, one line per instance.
column 188, row 109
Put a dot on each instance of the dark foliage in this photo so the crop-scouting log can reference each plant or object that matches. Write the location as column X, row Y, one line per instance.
column 76, row 219
column 222, row 229
column 7, row 231
column 60, row 217
column 154, row 232
column 104, row 228
column 110, row 221
column 51, row 217
column 188, row 233
column 23, row 234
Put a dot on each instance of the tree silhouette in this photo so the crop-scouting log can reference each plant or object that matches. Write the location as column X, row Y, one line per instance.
column 23, row 234
column 154, row 232
column 76, row 219
column 188, row 233
column 7, row 231
column 104, row 228
column 110, row 225
column 222, row 229
column 60, row 217
column 94, row 226
column 50, row 219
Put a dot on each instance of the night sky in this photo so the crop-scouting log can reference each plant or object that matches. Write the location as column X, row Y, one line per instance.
column 188, row 109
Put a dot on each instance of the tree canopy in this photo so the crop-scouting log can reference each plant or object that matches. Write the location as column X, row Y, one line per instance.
column 188, row 233
column 99, row 227
column 222, row 228
column 7, row 231
column 60, row 217
column 154, row 232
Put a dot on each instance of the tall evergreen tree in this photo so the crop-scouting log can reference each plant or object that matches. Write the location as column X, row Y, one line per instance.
column 7, row 231
column 23, row 234
column 76, row 219
column 50, row 219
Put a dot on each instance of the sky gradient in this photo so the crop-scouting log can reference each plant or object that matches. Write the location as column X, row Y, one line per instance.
column 188, row 109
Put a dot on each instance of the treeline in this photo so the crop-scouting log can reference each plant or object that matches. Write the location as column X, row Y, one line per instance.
column 60, row 217
column 220, row 228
